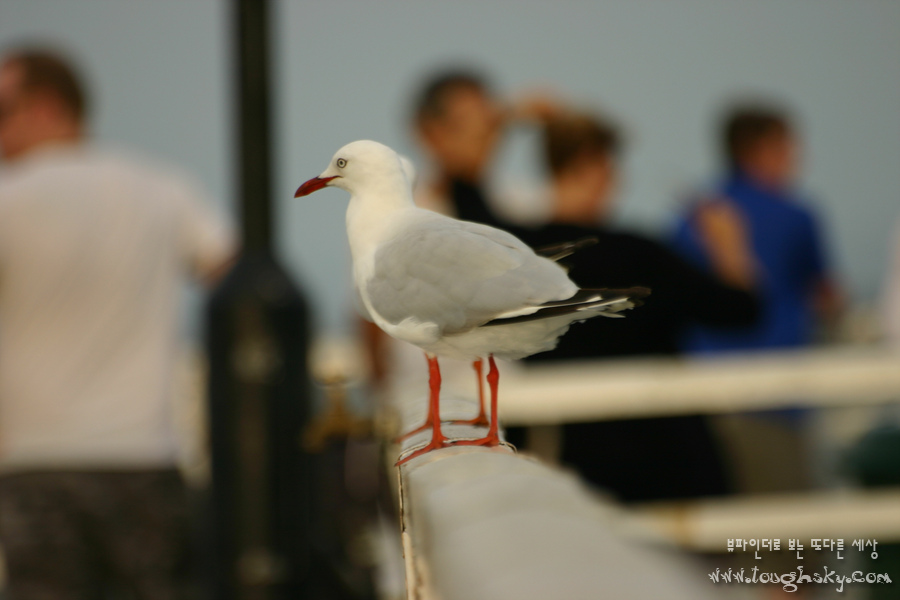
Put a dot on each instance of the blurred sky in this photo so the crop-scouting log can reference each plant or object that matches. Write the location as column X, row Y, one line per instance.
column 345, row 70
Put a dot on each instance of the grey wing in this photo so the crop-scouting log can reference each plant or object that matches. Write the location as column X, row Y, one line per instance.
column 459, row 275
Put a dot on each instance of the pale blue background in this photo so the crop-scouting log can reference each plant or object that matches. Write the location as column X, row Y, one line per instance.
column 161, row 73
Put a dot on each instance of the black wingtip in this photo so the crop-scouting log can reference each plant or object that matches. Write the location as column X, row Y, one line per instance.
column 636, row 294
column 583, row 300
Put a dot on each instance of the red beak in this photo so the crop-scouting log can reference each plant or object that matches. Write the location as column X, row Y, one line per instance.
column 314, row 184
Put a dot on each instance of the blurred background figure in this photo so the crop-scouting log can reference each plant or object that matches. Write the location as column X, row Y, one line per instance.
column 648, row 458
column 94, row 248
column 760, row 149
column 459, row 121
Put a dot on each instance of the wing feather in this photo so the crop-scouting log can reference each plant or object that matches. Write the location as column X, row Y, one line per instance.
column 460, row 275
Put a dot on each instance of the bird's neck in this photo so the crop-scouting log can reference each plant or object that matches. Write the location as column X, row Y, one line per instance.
column 370, row 220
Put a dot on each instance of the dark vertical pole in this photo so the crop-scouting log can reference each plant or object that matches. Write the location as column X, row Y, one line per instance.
column 251, row 27
column 259, row 390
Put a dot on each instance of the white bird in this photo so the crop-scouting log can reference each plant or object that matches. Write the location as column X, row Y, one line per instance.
column 453, row 288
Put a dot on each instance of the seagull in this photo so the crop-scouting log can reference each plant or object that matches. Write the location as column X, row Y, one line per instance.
column 453, row 288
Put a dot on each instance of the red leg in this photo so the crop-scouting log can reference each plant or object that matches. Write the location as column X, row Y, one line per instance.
column 434, row 373
column 493, row 436
column 437, row 437
column 481, row 420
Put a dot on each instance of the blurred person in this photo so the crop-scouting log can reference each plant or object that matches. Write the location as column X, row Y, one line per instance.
column 797, row 288
column 637, row 459
column 761, row 151
column 93, row 248
column 459, row 122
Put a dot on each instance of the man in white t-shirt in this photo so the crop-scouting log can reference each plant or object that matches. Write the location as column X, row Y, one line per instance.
column 94, row 247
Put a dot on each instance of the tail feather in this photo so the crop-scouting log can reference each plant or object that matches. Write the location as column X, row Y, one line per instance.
column 603, row 302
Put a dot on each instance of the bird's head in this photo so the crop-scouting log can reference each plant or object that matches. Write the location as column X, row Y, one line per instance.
column 362, row 165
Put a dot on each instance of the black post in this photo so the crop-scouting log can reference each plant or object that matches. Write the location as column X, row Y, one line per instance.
column 252, row 29
column 259, row 389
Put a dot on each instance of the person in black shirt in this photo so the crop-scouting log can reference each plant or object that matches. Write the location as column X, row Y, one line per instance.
column 636, row 459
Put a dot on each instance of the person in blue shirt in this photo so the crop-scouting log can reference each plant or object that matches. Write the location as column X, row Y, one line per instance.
column 791, row 267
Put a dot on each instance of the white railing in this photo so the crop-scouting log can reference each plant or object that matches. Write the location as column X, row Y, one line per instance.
column 597, row 390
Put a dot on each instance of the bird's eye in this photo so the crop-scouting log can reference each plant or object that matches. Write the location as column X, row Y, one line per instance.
column 341, row 163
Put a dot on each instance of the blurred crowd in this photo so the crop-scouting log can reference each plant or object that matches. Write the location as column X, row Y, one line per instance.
column 94, row 247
